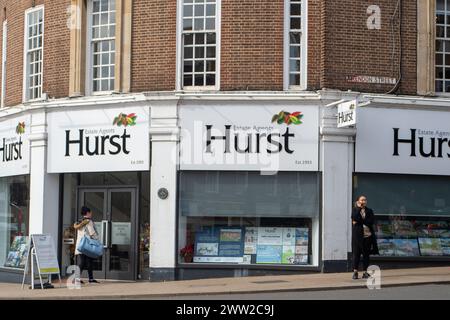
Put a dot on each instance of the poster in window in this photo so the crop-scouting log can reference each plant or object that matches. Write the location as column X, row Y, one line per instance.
column 445, row 245
column 270, row 236
column 288, row 256
column 205, row 242
column 301, row 249
column 301, row 259
column 301, row 236
column 430, row 246
column 406, row 247
column 288, row 236
column 207, row 249
column 386, row 247
column 268, row 254
column 231, row 242
column 17, row 253
column 251, row 240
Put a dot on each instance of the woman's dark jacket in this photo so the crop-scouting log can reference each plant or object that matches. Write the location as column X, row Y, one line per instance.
column 358, row 230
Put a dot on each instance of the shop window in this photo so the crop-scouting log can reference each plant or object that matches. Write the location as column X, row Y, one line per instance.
column 266, row 223
column 412, row 213
column 14, row 220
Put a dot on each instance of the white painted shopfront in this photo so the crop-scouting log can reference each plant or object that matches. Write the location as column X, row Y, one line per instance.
column 250, row 183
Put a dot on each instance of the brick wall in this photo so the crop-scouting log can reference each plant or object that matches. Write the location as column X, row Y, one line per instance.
column 56, row 48
column 15, row 14
column 353, row 50
column 339, row 46
column 316, row 56
column 252, row 45
column 153, row 47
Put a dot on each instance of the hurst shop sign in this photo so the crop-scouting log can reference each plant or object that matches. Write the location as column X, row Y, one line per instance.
column 403, row 141
column 15, row 146
column 99, row 140
column 346, row 114
column 259, row 137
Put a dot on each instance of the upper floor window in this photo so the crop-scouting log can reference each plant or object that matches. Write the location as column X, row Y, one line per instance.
column 101, row 45
column 442, row 62
column 34, row 34
column 295, row 44
column 199, row 43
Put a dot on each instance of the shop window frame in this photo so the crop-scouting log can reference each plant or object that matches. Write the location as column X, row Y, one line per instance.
column 315, row 265
column 381, row 258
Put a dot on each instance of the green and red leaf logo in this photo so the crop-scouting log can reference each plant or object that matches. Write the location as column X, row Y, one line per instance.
column 20, row 129
column 125, row 120
column 288, row 118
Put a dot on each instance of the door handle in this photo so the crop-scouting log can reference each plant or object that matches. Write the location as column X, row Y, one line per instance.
column 108, row 237
column 105, row 233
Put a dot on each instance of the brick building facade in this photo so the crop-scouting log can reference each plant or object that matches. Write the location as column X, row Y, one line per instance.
column 161, row 115
column 342, row 52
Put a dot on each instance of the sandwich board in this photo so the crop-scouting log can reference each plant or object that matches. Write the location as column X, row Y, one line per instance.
column 41, row 252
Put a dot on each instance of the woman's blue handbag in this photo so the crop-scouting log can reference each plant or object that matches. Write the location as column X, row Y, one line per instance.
column 90, row 247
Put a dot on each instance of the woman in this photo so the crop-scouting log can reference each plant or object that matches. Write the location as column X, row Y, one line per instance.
column 85, row 227
column 363, row 235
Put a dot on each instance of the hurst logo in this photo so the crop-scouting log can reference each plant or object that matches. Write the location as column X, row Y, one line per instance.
column 93, row 142
column 287, row 117
column 424, row 143
column 11, row 148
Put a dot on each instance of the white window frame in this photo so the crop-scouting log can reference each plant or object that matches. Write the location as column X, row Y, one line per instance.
column 4, row 57
column 179, row 51
column 304, row 47
column 440, row 93
column 89, row 72
column 25, row 97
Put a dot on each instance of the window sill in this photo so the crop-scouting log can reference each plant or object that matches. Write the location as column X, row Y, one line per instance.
column 102, row 93
column 203, row 89
column 11, row 270
column 306, row 267
column 415, row 258
column 29, row 101
column 296, row 89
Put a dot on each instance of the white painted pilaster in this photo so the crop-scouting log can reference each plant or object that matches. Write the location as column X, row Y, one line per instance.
column 336, row 157
column 164, row 133
column 44, row 188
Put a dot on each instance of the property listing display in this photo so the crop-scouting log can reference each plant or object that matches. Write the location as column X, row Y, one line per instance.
column 251, row 245
column 17, row 254
column 409, row 238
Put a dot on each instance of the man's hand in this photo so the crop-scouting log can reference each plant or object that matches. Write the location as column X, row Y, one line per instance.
column 354, row 222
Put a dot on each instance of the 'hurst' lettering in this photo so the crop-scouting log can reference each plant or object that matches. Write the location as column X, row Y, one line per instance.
column 429, row 147
column 97, row 145
column 274, row 139
column 11, row 151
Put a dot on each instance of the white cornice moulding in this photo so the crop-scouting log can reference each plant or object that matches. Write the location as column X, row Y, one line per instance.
column 41, row 136
column 330, row 131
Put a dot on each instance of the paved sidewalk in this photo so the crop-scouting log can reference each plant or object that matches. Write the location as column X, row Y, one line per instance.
column 319, row 281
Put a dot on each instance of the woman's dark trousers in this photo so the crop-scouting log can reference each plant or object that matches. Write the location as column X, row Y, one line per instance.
column 365, row 252
column 84, row 262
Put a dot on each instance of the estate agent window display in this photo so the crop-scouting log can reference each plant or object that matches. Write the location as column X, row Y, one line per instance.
column 244, row 218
